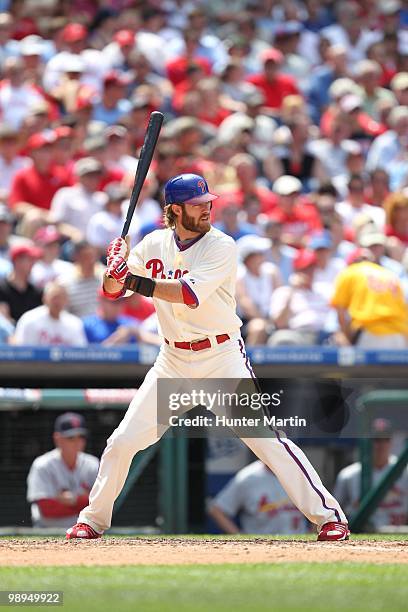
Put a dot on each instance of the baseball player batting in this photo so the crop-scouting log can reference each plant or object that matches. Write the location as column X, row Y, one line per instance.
column 189, row 269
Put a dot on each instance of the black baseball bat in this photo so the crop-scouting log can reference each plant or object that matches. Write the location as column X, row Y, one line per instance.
column 145, row 159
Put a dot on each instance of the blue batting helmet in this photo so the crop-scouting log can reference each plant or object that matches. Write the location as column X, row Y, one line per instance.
column 187, row 189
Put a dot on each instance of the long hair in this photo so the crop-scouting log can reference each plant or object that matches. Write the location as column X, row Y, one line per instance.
column 169, row 218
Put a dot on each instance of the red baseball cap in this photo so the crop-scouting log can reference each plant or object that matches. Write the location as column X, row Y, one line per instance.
column 359, row 254
column 273, row 55
column 41, row 139
column 74, row 32
column 304, row 259
column 124, row 38
column 114, row 78
column 47, row 235
column 63, row 131
column 24, row 249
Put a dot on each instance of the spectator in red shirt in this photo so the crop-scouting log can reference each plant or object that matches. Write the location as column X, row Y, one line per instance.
column 194, row 75
column 212, row 110
column 36, row 185
column 298, row 219
column 177, row 68
column 274, row 85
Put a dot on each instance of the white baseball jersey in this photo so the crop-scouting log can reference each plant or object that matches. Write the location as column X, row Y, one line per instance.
column 260, row 501
column 392, row 510
column 37, row 328
column 49, row 476
column 207, row 267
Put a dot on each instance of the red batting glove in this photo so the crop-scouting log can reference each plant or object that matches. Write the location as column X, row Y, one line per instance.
column 117, row 247
column 118, row 268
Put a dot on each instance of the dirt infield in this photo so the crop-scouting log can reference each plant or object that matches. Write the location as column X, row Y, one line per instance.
column 183, row 551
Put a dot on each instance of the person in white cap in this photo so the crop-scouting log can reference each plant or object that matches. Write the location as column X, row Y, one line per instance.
column 368, row 75
column 257, row 279
column 16, row 95
column 73, row 207
column 399, row 86
column 298, row 219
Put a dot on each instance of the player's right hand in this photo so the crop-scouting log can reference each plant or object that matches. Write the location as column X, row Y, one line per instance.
column 118, row 268
column 118, row 246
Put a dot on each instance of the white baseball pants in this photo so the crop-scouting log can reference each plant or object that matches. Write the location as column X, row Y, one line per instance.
column 139, row 429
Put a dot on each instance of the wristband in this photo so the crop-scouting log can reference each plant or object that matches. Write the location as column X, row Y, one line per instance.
column 140, row 284
column 113, row 296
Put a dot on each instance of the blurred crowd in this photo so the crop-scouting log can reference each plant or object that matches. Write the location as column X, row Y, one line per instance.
column 294, row 111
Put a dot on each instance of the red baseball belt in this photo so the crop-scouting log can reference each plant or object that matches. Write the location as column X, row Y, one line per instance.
column 198, row 345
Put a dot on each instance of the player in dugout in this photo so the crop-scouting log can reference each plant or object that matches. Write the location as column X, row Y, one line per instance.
column 59, row 481
column 189, row 268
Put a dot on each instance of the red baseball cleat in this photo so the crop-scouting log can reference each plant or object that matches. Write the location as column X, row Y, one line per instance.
column 82, row 531
column 333, row 532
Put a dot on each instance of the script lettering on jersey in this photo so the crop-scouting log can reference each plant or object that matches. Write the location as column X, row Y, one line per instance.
column 157, row 268
column 381, row 285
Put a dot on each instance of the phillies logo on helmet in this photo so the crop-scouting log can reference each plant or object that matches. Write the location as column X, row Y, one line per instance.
column 201, row 184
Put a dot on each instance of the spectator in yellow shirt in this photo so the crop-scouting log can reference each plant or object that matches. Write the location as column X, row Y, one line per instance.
column 370, row 305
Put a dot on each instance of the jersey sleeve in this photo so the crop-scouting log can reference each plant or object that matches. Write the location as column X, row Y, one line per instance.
column 39, row 483
column 229, row 499
column 207, row 276
column 342, row 289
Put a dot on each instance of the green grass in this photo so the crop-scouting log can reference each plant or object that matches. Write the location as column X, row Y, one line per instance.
column 220, row 588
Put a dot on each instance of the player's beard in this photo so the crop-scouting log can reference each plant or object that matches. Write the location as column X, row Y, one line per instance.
column 191, row 224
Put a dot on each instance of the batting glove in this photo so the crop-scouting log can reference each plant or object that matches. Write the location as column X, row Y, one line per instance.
column 118, row 268
column 120, row 247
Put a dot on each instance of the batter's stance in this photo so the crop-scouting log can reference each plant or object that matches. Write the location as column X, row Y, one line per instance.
column 189, row 269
